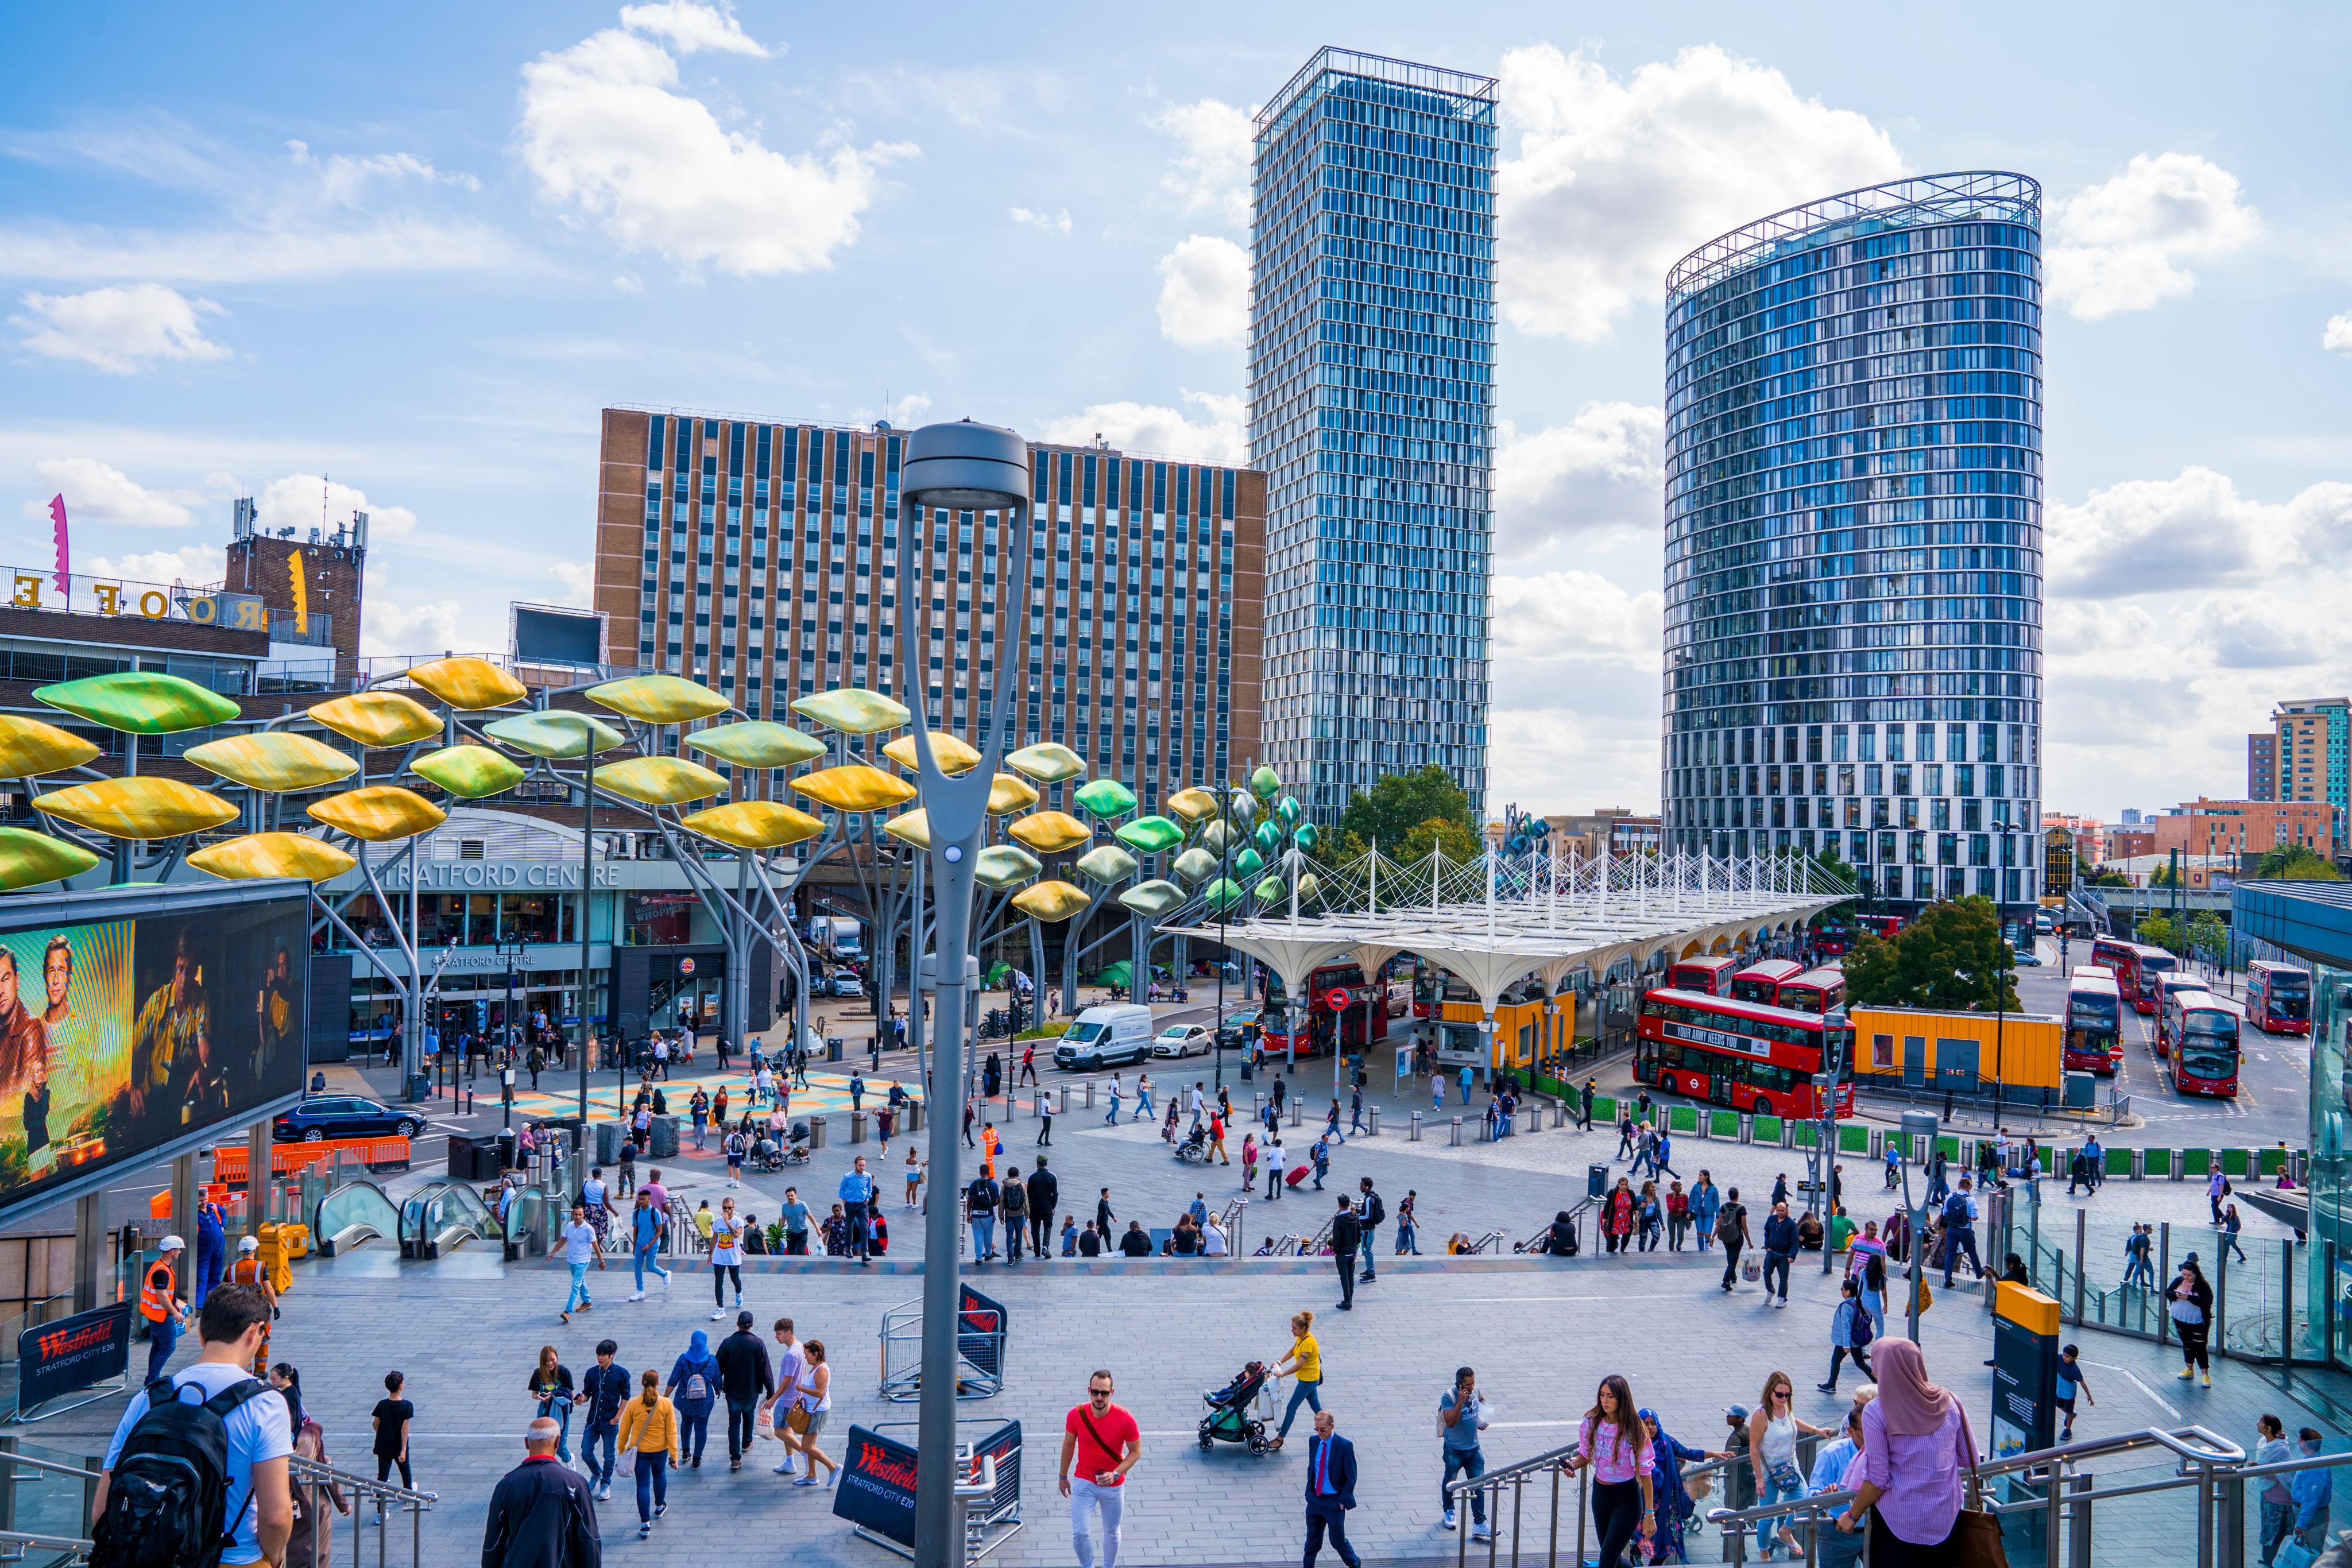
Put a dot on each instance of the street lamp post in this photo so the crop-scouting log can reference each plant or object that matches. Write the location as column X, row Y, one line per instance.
column 979, row 468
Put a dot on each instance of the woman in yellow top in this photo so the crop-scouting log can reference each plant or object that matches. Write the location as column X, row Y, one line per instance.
column 649, row 1431
column 1304, row 1364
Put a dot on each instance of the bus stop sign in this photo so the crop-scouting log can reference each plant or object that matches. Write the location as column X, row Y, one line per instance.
column 1337, row 1001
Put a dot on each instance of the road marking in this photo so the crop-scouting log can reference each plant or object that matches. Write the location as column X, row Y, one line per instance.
column 2135, row 1382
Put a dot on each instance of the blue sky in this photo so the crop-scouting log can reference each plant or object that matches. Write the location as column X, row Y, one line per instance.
column 414, row 251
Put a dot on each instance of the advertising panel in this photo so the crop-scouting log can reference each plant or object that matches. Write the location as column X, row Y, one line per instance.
column 72, row 1353
column 139, row 1025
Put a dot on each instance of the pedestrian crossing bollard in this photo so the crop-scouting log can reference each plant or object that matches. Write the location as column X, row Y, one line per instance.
column 1373, row 1122
column 1413, row 1136
column 1456, row 1140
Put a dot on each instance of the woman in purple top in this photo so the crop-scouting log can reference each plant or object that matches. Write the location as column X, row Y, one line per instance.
column 1616, row 1443
column 1914, row 1453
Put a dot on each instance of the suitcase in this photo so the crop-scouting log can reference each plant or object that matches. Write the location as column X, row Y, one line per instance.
column 1298, row 1174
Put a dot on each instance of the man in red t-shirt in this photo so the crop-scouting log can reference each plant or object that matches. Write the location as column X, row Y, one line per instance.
column 1217, row 1139
column 1105, row 1443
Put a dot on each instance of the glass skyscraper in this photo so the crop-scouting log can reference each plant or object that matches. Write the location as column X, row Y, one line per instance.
column 1371, row 366
column 1853, row 538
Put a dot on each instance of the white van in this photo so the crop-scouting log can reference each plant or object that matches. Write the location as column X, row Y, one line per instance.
column 1113, row 1036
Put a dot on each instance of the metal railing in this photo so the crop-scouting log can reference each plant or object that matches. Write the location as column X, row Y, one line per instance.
column 316, row 1484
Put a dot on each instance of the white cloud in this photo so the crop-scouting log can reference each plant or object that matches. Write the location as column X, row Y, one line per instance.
column 691, row 27
column 1212, row 173
column 1615, row 180
column 2339, row 336
column 609, row 138
column 2191, row 530
column 115, row 328
column 306, row 501
column 343, row 180
column 2117, row 242
column 1052, row 222
column 97, row 492
column 197, row 564
column 390, row 628
column 1548, row 617
column 576, row 582
column 1600, row 471
column 1204, row 293
column 1219, row 435
column 1551, row 760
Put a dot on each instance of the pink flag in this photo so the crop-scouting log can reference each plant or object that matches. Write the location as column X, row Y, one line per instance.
column 58, row 517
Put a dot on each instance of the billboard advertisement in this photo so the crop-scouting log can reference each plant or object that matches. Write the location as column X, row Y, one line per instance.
column 130, row 1022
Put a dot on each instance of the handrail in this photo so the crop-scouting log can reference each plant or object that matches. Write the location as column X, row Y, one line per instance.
column 11, row 1457
column 75, row 1547
column 310, row 1472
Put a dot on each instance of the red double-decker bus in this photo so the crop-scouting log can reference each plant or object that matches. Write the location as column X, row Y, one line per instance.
column 1749, row 1056
column 1710, row 976
column 1760, row 982
column 1815, row 991
column 2205, row 1036
column 1318, row 1026
column 1883, row 927
column 1832, row 939
column 2149, row 966
column 2095, row 1009
column 2278, row 997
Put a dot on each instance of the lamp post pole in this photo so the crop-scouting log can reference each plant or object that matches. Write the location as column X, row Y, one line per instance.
column 981, row 468
column 587, row 895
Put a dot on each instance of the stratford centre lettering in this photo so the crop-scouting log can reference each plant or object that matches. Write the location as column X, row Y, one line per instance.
column 497, row 874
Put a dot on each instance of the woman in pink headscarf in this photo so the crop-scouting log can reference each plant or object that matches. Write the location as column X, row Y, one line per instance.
column 1915, row 1454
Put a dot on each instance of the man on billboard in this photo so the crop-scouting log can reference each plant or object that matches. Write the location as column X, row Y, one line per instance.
column 163, row 1040
column 275, row 1007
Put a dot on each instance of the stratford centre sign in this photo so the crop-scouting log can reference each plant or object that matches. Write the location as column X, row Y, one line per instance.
column 455, row 875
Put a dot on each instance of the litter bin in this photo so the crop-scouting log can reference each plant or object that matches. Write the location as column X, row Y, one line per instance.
column 816, row 1132
column 503, row 1140
column 833, row 1049
column 1596, row 1180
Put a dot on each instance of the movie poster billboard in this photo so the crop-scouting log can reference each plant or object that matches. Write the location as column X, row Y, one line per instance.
column 136, row 1027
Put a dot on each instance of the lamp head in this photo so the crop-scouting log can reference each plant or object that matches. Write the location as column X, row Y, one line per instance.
column 965, row 466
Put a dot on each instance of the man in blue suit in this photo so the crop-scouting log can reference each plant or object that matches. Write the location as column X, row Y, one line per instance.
column 1330, row 1490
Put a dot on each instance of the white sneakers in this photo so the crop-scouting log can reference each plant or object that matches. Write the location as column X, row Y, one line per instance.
column 720, row 1313
column 638, row 1297
column 1449, row 1519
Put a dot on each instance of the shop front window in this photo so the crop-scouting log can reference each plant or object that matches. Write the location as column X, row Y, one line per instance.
column 660, row 919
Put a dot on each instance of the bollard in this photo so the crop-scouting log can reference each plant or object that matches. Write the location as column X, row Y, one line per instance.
column 1090, row 1093
column 1456, row 1141
column 1413, row 1136
column 1297, row 1107
column 1257, row 1104
column 1747, row 1130
column 857, row 1127
column 816, row 1132
column 2138, row 1164
column 1373, row 1122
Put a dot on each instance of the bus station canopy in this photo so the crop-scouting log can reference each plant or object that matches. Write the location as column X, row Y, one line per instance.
column 1494, row 922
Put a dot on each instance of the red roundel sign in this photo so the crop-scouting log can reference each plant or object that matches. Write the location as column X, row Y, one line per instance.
column 1337, row 1001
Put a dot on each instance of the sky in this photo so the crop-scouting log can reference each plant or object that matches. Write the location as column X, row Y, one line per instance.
column 338, row 257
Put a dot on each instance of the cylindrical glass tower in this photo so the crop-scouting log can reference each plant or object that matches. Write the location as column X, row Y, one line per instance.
column 1853, row 538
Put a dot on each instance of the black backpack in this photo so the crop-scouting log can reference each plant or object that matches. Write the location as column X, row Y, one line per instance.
column 167, row 1500
column 1956, row 1208
column 1375, row 1211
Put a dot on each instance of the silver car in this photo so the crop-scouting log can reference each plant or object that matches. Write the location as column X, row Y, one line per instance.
column 1181, row 1039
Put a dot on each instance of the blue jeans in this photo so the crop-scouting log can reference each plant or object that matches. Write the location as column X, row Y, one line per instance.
column 1142, row 1105
column 595, row 1435
column 1408, row 1242
column 161, row 1339
column 560, row 1412
column 578, row 1297
column 1471, row 1462
column 693, row 1430
column 984, row 1236
column 1774, row 1493
column 645, row 1262
column 653, row 1484
column 1367, row 1248
column 1304, row 1391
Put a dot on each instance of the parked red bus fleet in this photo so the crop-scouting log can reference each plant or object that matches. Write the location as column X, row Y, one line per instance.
column 1708, row 977
column 2205, row 1036
column 2135, row 967
column 1760, row 981
column 2278, row 997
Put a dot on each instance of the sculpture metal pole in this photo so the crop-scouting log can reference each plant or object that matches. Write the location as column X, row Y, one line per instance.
column 981, row 468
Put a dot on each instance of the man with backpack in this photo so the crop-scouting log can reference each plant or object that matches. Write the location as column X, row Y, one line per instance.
column 196, row 1474
column 1960, row 1232
column 1371, row 1210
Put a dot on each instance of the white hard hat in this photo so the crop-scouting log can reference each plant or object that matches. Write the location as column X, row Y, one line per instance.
column 250, row 1244
column 174, row 1244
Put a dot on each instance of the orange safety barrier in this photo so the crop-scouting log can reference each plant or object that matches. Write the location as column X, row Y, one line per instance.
column 229, row 1160
column 159, row 1203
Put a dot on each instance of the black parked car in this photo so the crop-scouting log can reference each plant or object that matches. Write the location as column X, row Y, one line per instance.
column 344, row 1117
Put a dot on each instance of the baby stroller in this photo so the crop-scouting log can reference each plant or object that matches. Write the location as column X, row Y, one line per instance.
column 1231, row 1418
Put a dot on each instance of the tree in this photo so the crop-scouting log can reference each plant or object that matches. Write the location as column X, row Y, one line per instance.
column 2297, row 862
column 2105, row 877
column 1439, row 832
column 1389, row 812
column 2207, row 937
column 2165, row 877
column 2156, row 931
column 1951, row 959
